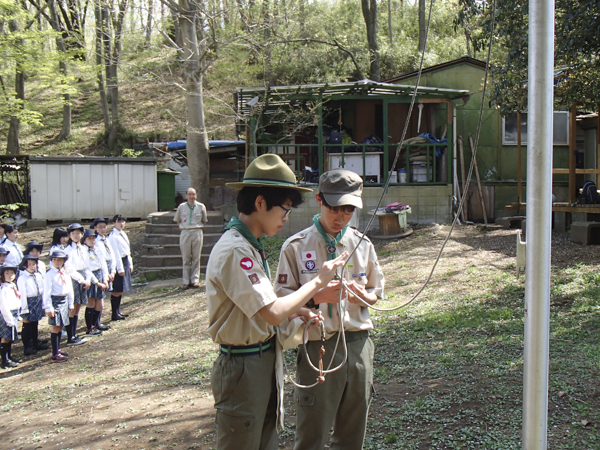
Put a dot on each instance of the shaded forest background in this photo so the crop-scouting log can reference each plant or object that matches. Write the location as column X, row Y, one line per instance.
column 88, row 76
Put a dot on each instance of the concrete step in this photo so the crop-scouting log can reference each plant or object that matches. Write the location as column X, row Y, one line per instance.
column 161, row 239
column 163, row 228
column 159, row 261
column 166, row 217
column 169, row 249
column 165, row 272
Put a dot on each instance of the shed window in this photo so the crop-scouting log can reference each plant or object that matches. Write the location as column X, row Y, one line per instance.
column 560, row 131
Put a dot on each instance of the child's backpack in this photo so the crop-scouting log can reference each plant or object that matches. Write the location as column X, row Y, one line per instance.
column 589, row 194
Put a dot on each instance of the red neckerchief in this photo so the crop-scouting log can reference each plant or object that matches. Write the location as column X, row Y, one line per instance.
column 62, row 276
column 12, row 286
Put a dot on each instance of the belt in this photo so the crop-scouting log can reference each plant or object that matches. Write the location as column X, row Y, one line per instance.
column 247, row 350
column 352, row 335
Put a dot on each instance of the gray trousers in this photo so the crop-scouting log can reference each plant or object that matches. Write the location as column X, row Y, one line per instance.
column 245, row 393
column 190, row 243
column 341, row 402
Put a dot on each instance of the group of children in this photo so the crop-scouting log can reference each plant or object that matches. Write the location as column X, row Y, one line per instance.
column 84, row 265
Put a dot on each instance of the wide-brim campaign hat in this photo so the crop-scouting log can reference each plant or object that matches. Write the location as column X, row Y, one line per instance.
column 59, row 254
column 75, row 226
column 269, row 170
column 341, row 187
column 98, row 220
column 31, row 245
column 87, row 234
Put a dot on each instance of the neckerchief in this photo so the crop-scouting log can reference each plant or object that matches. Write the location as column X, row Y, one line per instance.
column 62, row 276
column 238, row 225
column 331, row 243
column 103, row 240
column 32, row 275
column 191, row 209
column 12, row 286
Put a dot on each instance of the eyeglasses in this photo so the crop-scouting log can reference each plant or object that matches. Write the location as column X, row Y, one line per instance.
column 288, row 211
column 346, row 209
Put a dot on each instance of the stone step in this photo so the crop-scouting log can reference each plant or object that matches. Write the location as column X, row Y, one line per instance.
column 159, row 261
column 169, row 249
column 166, row 217
column 169, row 239
column 163, row 228
column 162, row 272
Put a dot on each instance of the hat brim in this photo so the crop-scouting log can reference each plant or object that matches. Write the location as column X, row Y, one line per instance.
column 241, row 185
column 343, row 199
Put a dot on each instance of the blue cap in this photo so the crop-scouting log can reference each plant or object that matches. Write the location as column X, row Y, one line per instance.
column 31, row 245
column 59, row 254
column 98, row 220
column 87, row 234
column 75, row 226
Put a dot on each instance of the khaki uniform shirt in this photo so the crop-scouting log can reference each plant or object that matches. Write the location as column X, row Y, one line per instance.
column 237, row 287
column 304, row 253
column 190, row 219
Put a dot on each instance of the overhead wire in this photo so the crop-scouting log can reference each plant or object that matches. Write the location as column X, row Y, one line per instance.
column 341, row 333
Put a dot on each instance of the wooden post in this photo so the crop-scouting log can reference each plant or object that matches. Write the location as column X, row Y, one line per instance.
column 462, row 176
column 519, row 167
column 481, row 199
column 572, row 159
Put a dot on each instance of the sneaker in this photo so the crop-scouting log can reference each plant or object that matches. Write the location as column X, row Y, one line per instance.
column 93, row 332
column 63, row 353
column 59, row 358
column 123, row 315
column 103, row 327
column 8, row 364
column 76, row 341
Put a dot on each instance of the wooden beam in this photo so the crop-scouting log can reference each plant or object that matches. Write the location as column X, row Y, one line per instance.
column 572, row 158
column 577, row 171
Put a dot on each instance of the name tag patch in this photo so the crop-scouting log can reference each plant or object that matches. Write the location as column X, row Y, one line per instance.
column 254, row 278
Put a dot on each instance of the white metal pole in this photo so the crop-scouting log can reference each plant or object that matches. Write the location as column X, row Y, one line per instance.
column 539, row 214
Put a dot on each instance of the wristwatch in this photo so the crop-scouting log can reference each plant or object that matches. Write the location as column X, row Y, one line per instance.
column 311, row 304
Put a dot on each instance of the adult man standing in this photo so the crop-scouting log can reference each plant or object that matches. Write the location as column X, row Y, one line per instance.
column 191, row 217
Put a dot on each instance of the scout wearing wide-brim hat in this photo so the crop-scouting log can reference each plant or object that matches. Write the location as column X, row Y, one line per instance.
column 75, row 226
column 98, row 220
column 3, row 269
column 33, row 245
column 341, row 187
column 87, row 234
column 269, row 170
column 59, row 254
column 23, row 265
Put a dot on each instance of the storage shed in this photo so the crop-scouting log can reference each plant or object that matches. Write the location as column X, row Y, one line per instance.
column 85, row 188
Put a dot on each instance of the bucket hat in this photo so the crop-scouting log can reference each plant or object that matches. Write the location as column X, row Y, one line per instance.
column 31, row 245
column 75, row 226
column 98, row 220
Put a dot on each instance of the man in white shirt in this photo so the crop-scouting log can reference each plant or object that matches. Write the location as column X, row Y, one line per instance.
column 191, row 217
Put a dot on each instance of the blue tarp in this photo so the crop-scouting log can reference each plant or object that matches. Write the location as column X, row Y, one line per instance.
column 431, row 138
column 180, row 145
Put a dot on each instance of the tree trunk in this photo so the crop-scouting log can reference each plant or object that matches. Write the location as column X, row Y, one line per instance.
column 65, row 131
column 369, row 10
column 149, row 24
column 99, row 67
column 422, row 25
column 197, row 138
column 13, row 146
column 390, row 22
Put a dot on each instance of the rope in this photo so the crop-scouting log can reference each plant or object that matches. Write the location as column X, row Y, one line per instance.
column 384, row 190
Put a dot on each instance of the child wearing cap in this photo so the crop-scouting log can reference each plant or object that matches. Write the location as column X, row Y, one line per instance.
column 78, row 265
column 3, row 255
column 31, row 288
column 15, row 254
column 342, row 401
column 95, row 293
column 104, row 248
column 247, row 376
column 34, row 248
column 122, row 282
column 58, row 300
column 10, row 307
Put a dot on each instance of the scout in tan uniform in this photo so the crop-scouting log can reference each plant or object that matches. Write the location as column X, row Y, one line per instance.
column 244, row 310
column 191, row 217
column 342, row 401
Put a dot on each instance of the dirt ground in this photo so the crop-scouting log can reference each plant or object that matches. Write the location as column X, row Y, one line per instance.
column 145, row 383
